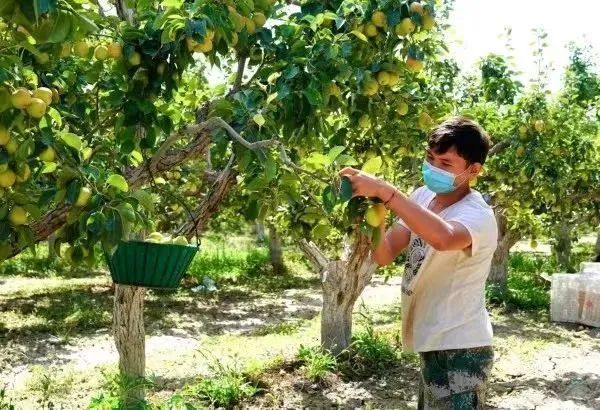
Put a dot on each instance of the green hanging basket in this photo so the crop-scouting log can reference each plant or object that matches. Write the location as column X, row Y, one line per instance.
column 149, row 264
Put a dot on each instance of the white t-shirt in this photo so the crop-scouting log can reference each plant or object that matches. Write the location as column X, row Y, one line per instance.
column 443, row 292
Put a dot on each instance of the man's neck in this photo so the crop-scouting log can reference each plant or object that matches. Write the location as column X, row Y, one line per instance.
column 453, row 197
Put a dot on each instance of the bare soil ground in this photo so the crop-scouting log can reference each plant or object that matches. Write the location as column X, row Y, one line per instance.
column 540, row 365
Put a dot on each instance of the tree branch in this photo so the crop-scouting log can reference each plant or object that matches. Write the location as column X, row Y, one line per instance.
column 316, row 257
column 499, row 147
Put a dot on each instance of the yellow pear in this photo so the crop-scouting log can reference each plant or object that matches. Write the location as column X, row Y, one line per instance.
column 7, row 178
column 414, row 64
column 11, row 146
column 20, row 98
column 47, row 155
column 417, row 7
column 370, row 30
column 371, row 87
column 4, row 136
column 205, row 47
column 25, row 174
column 55, row 96
column 65, row 50
column 403, row 109
column 17, row 216
column 42, row 58
column 37, row 108
column 428, row 22
column 101, row 53
column 135, row 59
column 44, row 94
column 259, row 19
column 364, row 121
column 379, row 19
column 383, row 78
column 394, row 78
column 83, row 197
column 405, row 27
column 81, row 49
column 115, row 51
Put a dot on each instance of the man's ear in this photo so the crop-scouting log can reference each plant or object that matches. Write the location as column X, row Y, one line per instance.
column 476, row 169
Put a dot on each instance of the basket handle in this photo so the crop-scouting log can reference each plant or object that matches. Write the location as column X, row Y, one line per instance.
column 177, row 199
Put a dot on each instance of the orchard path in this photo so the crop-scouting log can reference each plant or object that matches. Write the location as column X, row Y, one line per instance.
column 540, row 365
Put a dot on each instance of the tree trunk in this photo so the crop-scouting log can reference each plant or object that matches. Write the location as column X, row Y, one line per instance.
column 563, row 245
column 506, row 240
column 260, row 232
column 343, row 282
column 275, row 251
column 128, row 329
column 598, row 248
column 51, row 251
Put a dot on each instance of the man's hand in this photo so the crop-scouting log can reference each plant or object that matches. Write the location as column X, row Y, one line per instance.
column 364, row 184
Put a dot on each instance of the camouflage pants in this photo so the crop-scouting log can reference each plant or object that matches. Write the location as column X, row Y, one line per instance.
column 455, row 379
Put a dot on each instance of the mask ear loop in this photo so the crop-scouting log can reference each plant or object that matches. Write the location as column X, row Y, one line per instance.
column 459, row 175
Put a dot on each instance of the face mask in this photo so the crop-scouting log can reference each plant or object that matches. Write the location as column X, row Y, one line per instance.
column 438, row 180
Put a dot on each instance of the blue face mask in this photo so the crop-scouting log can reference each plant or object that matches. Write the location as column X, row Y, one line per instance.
column 438, row 180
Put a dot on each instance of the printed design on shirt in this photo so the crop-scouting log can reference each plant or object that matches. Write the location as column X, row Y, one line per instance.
column 414, row 260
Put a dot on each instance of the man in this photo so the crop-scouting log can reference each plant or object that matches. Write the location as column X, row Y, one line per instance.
column 451, row 236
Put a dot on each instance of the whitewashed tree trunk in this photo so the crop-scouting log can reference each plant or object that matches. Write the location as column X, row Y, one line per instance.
column 275, row 250
column 128, row 330
column 51, row 251
column 506, row 240
column 598, row 247
column 260, row 232
column 343, row 282
column 564, row 245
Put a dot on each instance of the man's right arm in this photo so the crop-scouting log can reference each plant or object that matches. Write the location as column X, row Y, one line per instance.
column 395, row 240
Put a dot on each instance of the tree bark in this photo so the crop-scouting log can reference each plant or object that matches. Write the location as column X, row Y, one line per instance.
column 506, row 240
column 563, row 245
column 128, row 330
column 598, row 247
column 275, row 251
column 343, row 282
column 260, row 232
column 51, row 251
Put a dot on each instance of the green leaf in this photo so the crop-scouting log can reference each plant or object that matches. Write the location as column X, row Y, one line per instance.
column 321, row 231
column 72, row 140
column 49, row 167
column 95, row 223
column 375, row 237
column 33, row 210
column 118, row 182
column 126, row 211
column 144, row 199
column 313, row 96
column 61, row 29
column 334, row 153
column 317, row 160
column 346, row 160
column 329, row 199
column 345, row 189
column 373, row 165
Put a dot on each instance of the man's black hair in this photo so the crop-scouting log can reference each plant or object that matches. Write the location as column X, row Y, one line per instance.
column 470, row 140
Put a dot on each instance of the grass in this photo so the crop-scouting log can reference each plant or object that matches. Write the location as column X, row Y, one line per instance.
column 526, row 288
column 226, row 387
column 316, row 362
column 48, row 383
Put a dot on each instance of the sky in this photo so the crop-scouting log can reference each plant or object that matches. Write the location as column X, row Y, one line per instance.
column 478, row 26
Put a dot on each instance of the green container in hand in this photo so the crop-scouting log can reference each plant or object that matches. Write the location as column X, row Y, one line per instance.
column 149, row 264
